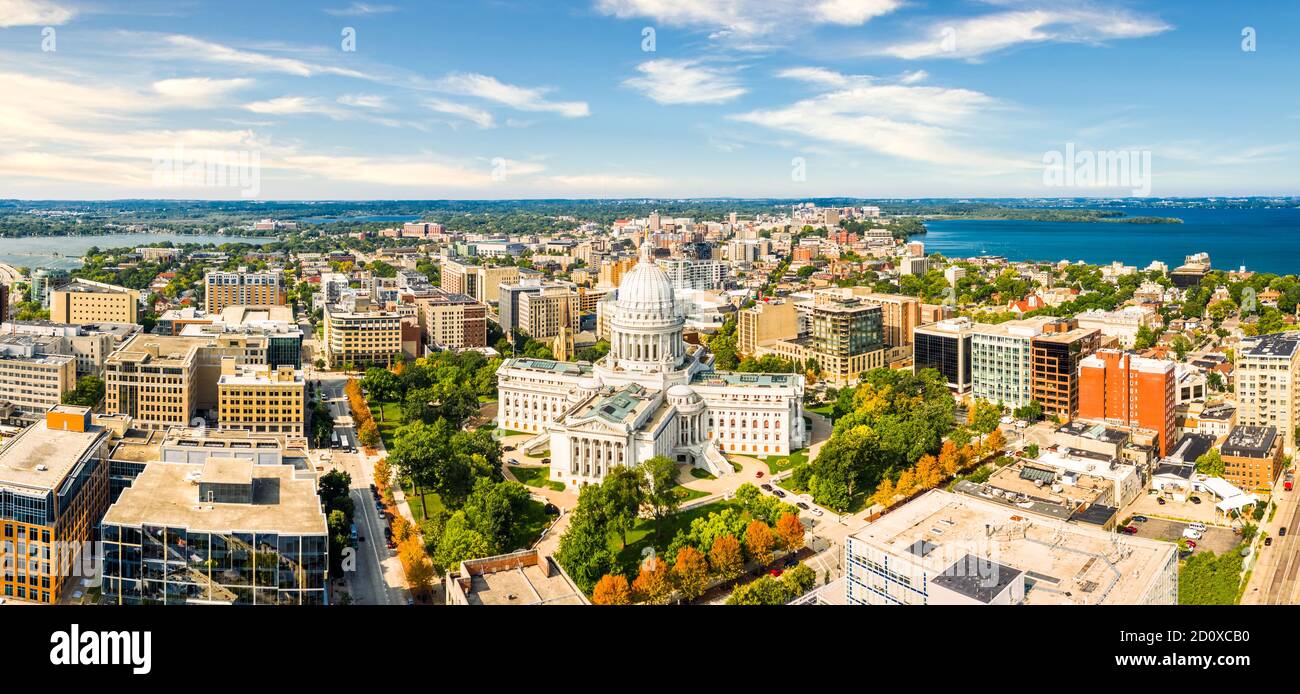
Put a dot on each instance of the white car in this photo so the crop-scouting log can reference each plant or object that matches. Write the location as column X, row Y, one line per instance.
column 1191, row 534
column 1198, row 527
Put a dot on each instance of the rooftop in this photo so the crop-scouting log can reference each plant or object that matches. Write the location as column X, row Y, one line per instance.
column 168, row 494
column 559, row 367
column 1249, row 442
column 88, row 287
column 40, row 457
column 754, row 380
column 521, row 578
column 1272, row 345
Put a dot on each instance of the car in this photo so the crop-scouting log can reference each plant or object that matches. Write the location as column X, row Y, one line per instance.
column 1021, row 424
column 1281, row 532
column 1130, row 530
column 765, row 487
column 779, row 494
column 374, row 490
column 507, row 449
column 802, row 505
column 817, row 512
column 758, row 474
column 379, row 506
column 1160, row 500
column 1268, row 542
column 1191, row 545
column 1191, row 534
column 1199, row 527
column 390, row 544
column 1196, row 500
column 546, row 461
column 776, row 573
column 551, row 509
column 791, row 561
column 1005, row 420
column 1139, row 519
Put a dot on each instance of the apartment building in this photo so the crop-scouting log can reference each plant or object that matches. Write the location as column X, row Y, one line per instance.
column 953, row 549
column 90, row 343
column 452, row 321
column 1266, row 384
column 1002, row 360
column 479, row 282
column 945, row 346
column 702, row 275
column 241, row 288
column 360, row 334
column 1056, row 353
column 1122, row 324
column 35, row 383
column 1252, row 457
column 765, row 322
column 251, row 535
column 54, row 487
column 543, row 313
column 845, row 340
column 154, row 380
column 261, row 399
column 84, row 301
column 1130, row 391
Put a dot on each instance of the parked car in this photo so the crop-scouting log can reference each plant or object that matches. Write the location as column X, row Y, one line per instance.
column 779, row 494
column 1199, row 527
column 1268, row 542
column 1196, row 500
column 1139, row 519
column 758, row 474
column 1191, row 534
column 776, row 573
column 1130, row 530
column 507, row 449
column 551, row 509
column 1281, row 532
column 1160, row 500
column 546, row 461
column 765, row 487
column 817, row 512
column 802, row 505
column 1191, row 545
column 374, row 490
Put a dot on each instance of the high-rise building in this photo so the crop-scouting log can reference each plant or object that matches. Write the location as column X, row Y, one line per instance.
column 900, row 315
column 453, row 321
column 945, row 346
column 1126, row 390
column 241, row 288
column 704, row 275
column 542, row 314
column 54, row 487
column 261, row 399
column 765, row 322
column 33, row 378
column 45, row 280
column 1252, row 457
column 479, row 282
column 360, row 334
column 1056, row 354
column 845, row 339
column 84, row 301
column 1267, row 379
column 1002, row 361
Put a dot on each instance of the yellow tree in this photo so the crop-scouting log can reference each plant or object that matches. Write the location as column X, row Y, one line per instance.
column 950, row 459
column 928, row 472
column 612, row 590
column 654, row 584
column 759, row 541
column 995, row 442
column 416, row 564
column 725, row 557
column 791, row 532
column 885, row 493
column 906, row 484
column 691, row 572
column 401, row 528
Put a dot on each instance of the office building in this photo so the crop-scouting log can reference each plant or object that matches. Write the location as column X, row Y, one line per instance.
column 1122, row 324
column 1252, row 457
column 1267, row 381
column 845, row 339
column 543, row 313
column 702, row 275
column 1002, row 361
column 261, row 399
column 945, row 346
column 83, row 301
column 1125, row 390
column 361, row 335
column 241, row 288
column 914, row 265
column 453, row 321
column 765, row 322
column 90, row 343
column 53, row 491
column 479, row 282
column 1056, row 354
column 953, row 549
column 227, row 532
column 45, row 280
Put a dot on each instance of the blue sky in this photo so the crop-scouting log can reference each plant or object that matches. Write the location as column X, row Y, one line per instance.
column 563, row 98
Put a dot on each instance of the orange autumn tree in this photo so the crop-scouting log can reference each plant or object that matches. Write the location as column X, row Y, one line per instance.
column 996, row 441
column 612, row 590
column 928, row 472
column 885, row 493
column 725, row 557
column 654, row 584
column 759, row 541
column 416, row 564
column 791, row 532
column 691, row 572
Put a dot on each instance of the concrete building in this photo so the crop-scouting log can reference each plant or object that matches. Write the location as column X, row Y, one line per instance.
column 90, row 343
column 525, row 577
column 360, row 334
column 845, row 339
column 765, row 322
column 1122, row 324
column 543, row 313
column 481, row 282
column 226, row 532
column 1002, row 360
column 1055, row 356
column 1125, row 390
column 261, row 399
column 702, row 275
column 1267, row 378
column 241, row 288
column 1252, row 457
column 954, row 549
column 945, row 346
column 913, row 265
column 83, row 301
column 452, row 321
column 54, row 487
column 44, row 281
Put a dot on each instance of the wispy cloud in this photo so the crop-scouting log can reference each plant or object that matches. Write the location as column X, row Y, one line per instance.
column 18, row 13
column 182, row 47
column 669, row 81
column 477, row 116
column 977, row 36
column 360, row 9
column 521, row 98
column 749, row 18
column 199, row 90
column 370, row 101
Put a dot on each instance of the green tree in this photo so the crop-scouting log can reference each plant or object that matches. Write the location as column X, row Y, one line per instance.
column 88, row 393
column 623, row 497
column 1210, row 463
column 658, row 477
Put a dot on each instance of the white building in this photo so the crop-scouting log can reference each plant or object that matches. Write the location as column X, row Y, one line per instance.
column 1267, row 377
column 1001, row 360
column 1122, row 324
column 653, row 394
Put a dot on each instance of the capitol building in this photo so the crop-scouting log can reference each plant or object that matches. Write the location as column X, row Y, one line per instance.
column 653, row 394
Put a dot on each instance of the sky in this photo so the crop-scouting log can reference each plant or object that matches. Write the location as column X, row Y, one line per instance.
column 504, row 99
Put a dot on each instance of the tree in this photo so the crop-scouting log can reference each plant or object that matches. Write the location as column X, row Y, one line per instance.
column 759, row 541
column 658, row 476
column 1181, row 346
column 416, row 564
column 496, row 510
column 654, row 583
column 691, row 572
column 1210, row 463
column 623, row 497
column 368, row 434
column 1145, row 338
column 382, row 384
column 726, row 558
column 996, row 441
column 584, row 548
column 1032, row 450
column 612, row 589
column 88, row 393
column 983, row 416
column 764, row 591
column 459, row 542
column 1030, row 412
column 791, row 531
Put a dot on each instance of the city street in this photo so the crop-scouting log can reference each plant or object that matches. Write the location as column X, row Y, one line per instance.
column 1274, row 578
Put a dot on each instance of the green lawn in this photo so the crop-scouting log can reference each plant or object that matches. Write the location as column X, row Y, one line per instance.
column 535, row 477
column 642, row 534
column 502, row 433
column 783, row 463
column 530, row 527
column 823, row 410
column 543, row 454
column 417, row 504
column 684, row 495
column 483, row 399
column 788, row 485
column 700, row 473
column 388, row 417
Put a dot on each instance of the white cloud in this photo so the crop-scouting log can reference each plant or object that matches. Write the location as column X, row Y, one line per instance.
column 370, row 101
column 477, row 116
column 977, row 36
column 360, row 9
column 669, row 81
column 925, row 124
column 18, row 13
column 179, row 46
column 199, row 90
column 521, row 98
column 287, row 105
column 748, row 18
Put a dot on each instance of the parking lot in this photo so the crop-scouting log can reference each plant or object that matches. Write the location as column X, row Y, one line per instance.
column 1214, row 539
column 1146, row 505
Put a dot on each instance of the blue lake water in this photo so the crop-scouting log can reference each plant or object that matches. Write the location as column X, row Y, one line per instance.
column 64, row 252
column 1263, row 240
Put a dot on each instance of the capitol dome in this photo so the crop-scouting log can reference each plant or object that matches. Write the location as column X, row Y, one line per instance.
column 646, row 288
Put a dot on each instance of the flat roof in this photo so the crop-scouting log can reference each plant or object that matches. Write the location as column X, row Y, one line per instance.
column 1271, row 345
column 1249, row 442
column 38, row 446
column 168, row 494
column 752, row 380
column 1063, row 563
column 219, row 469
column 977, row 578
column 173, row 348
column 521, row 585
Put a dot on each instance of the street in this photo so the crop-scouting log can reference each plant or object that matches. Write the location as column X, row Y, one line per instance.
column 1273, row 581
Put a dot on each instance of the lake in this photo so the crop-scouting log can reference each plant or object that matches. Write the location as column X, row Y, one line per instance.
column 1264, row 240
column 64, row 252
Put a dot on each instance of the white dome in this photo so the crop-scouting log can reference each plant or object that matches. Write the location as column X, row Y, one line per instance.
column 646, row 288
column 681, row 391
